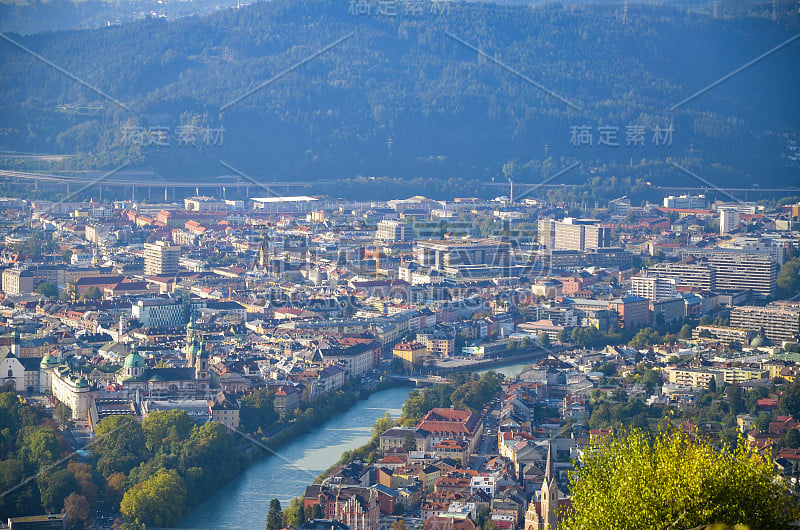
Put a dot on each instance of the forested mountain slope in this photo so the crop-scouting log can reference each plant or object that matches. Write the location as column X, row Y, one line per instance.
column 408, row 95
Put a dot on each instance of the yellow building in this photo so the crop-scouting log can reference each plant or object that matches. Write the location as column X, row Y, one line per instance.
column 412, row 353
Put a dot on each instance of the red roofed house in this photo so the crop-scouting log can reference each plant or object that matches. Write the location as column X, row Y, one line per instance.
column 452, row 424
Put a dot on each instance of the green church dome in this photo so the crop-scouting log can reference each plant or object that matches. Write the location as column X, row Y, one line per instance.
column 48, row 360
column 134, row 360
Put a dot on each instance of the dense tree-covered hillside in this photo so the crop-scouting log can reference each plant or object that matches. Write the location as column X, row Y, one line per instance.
column 409, row 95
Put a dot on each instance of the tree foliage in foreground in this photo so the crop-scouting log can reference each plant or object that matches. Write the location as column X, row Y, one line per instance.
column 669, row 480
column 158, row 501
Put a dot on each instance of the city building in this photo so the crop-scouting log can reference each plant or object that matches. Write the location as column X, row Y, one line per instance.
column 653, row 287
column 572, row 234
column 725, row 335
column 460, row 252
column 778, row 323
column 741, row 270
column 412, row 353
column 161, row 258
column 699, row 275
column 392, row 231
column 17, row 281
column 729, row 219
column 158, row 312
column 686, row 202
column 204, row 204
column 438, row 341
column 225, row 410
column 633, row 311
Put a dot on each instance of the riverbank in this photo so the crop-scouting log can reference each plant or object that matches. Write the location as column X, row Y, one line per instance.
column 313, row 416
column 243, row 502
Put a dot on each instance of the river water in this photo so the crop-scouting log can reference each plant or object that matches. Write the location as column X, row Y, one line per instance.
column 243, row 503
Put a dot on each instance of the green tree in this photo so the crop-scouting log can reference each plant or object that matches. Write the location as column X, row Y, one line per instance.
column 158, row 501
column 735, row 399
column 608, row 368
column 789, row 402
column 397, row 366
column 712, row 385
column 650, row 379
column 77, row 508
column 63, row 413
column 93, row 293
column 383, row 424
column 294, row 515
column 789, row 278
column 316, row 512
column 645, row 338
column 274, row 516
column 673, row 480
column 54, row 487
column 257, row 410
column 685, row 332
column 792, row 438
column 39, row 447
column 483, row 516
column 563, row 336
column 48, row 289
column 121, row 444
column 212, row 455
column 762, row 422
column 544, row 340
column 166, row 426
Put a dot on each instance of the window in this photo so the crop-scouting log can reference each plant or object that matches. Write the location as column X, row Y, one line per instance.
column 10, row 373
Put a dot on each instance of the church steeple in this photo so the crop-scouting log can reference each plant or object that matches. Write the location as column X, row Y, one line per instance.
column 201, row 367
column 548, row 470
column 191, row 348
column 550, row 494
column 16, row 343
column 263, row 252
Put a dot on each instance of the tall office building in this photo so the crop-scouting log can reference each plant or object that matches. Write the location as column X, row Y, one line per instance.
column 572, row 234
column 691, row 274
column 778, row 321
column 728, row 220
column 740, row 270
column 161, row 258
column 390, row 230
column 652, row 287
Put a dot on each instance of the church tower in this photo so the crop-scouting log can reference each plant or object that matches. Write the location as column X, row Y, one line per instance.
column 201, row 367
column 134, row 365
column 263, row 252
column 550, row 494
column 191, row 349
column 16, row 344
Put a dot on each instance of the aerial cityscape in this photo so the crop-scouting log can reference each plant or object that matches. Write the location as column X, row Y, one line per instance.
column 400, row 265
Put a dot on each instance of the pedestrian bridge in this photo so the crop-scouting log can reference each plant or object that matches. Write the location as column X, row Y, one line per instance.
column 419, row 380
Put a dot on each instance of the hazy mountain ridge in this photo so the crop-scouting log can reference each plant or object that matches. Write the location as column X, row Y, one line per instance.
column 402, row 96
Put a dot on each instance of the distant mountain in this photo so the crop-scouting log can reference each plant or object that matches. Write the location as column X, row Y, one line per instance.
column 37, row 16
column 323, row 89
